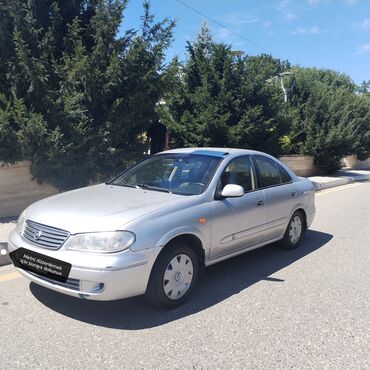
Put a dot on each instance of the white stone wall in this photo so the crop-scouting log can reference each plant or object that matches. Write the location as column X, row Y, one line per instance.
column 18, row 189
column 301, row 165
column 353, row 163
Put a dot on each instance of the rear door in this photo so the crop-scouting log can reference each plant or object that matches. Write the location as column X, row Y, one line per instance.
column 280, row 194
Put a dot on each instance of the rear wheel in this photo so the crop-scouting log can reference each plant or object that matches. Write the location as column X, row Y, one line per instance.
column 173, row 277
column 294, row 231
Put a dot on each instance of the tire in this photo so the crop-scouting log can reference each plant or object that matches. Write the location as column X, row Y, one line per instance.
column 294, row 232
column 173, row 276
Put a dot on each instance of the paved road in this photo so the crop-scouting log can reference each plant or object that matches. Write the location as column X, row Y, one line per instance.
column 307, row 308
column 6, row 226
column 4, row 256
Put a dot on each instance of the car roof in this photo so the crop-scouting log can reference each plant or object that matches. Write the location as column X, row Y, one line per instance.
column 227, row 153
column 216, row 152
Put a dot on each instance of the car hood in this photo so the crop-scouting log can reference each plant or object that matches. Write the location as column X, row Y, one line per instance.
column 98, row 208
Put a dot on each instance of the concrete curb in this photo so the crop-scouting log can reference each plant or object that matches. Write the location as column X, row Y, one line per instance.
column 342, row 177
column 332, row 183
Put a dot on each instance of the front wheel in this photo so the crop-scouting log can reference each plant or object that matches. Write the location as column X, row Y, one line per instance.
column 294, row 231
column 173, row 277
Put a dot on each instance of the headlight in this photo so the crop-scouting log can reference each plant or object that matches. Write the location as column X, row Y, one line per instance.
column 104, row 242
column 20, row 223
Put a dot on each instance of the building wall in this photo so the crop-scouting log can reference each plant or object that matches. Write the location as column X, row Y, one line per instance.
column 18, row 189
column 353, row 163
column 301, row 165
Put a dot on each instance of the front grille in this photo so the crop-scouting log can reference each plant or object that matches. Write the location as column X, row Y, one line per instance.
column 44, row 236
column 73, row 284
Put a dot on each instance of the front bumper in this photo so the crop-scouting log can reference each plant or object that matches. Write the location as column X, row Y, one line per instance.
column 95, row 276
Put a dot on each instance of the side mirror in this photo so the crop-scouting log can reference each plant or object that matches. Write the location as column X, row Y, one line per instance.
column 232, row 191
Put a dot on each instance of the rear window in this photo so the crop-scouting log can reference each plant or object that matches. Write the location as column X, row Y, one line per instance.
column 268, row 170
column 285, row 178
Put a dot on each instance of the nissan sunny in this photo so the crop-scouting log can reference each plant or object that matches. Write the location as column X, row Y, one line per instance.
column 156, row 226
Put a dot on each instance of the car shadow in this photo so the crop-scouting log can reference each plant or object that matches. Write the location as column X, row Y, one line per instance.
column 219, row 282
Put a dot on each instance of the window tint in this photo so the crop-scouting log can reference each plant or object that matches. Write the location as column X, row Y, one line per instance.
column 240, row 172
column 284, row 175
column 269, row 172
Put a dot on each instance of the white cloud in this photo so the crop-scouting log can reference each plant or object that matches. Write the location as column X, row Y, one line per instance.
column 223, row 33
column 284, row 7
column 363, row 49
column 316, row 2
column 227, row 36
column 366, row 24
column 290, row 16
column 306, row 31
column 238, row 19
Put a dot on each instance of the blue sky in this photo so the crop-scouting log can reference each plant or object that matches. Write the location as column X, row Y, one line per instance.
column 331, row 34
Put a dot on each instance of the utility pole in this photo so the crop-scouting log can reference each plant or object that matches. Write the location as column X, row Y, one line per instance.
column 237, row 53
column 279, row 79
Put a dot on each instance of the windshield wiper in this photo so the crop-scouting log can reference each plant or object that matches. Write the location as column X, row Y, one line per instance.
column 150, row 187
column 121, row 183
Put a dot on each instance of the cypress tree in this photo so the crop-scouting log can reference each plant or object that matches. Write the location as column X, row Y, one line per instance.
column 76, row 92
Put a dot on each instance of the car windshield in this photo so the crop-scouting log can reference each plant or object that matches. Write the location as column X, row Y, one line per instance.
column 185, row 174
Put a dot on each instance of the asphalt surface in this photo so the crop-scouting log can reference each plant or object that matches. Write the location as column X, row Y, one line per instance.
column 6, row 226
column 271, row 308
column 4, row 258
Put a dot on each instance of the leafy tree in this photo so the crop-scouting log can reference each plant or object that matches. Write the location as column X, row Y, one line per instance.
column 358, row 117
column 364, row 88
column 76, row 95
column 216, row 98
column 327, row 118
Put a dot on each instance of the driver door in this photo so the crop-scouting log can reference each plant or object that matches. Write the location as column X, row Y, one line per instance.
column 237, row 223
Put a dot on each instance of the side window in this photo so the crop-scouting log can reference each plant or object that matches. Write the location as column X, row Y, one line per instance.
column 240, row 172
column 285, row 178
column 268, row 170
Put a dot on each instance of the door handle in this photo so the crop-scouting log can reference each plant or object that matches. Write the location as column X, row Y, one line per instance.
column 260, row 202
column 293, row 193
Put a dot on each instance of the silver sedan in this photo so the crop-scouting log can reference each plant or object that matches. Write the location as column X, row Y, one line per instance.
column 156, row 226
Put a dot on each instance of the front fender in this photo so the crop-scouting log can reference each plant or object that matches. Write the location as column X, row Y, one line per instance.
column 181, row 230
